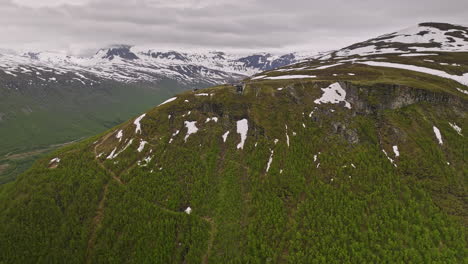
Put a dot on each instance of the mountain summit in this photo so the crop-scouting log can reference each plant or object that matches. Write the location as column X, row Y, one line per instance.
column 122, row 51
column 355, row 156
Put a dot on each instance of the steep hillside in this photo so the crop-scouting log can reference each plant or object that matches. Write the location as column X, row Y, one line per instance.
column 49, row 98
column 333, row 160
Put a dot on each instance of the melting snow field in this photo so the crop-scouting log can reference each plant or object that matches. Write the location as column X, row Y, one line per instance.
column 242, row 128
column 438, row 135
column 137, row 123
column 461, row 79
column 168, row 101
column 333, row 94
column 191, row 128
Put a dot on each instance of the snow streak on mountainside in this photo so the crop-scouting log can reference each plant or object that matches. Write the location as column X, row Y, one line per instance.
column 137, row 64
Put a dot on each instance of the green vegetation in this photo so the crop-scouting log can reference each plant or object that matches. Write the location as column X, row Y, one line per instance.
column 36, row 119
column 331, row 196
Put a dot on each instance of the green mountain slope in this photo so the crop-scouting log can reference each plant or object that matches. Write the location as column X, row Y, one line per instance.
column 34, row 119
column 327, row 161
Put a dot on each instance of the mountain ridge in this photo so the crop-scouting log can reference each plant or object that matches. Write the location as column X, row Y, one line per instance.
column 127, row 63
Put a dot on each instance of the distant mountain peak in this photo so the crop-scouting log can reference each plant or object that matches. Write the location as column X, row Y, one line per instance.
column 121, row 51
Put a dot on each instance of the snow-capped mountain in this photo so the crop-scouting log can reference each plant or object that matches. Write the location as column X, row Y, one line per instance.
column 425, row 37
column 137, row 64
column 436, row 49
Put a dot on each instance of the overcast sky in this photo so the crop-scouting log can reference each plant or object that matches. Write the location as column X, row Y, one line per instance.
column 79, row 26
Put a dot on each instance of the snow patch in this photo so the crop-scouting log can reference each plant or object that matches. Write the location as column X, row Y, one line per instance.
column 225, row 136
column 327, row 66
column 456, row 128
column 396, row 151
column 438, row 135
column 215, row 119
column 142, row 145
column 111, row 155
column 333, row 94
column 462, row 91
column 137, row 123
column 114, row 155
column 270, row 161
column 145, row 161
column 57, row 160
column 418, row 54
column 258, row 77
column 461, row 79
column 287, row 77
column 191, row 128
column 119, row 135
column 242, row 128
column 390, row 159
column 173, row 135
column 168, row 101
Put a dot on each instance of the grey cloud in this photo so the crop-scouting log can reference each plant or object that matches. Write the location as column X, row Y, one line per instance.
column 247, row 24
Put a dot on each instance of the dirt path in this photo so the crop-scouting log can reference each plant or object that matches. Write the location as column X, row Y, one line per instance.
column 95, row 224
column 213, row 231
column 100, row 210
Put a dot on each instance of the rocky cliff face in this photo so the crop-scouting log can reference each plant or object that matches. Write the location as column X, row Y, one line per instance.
column 380, row 97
